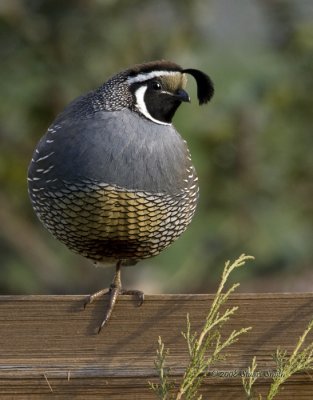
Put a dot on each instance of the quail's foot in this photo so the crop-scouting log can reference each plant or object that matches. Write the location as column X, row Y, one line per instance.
column 114, row 291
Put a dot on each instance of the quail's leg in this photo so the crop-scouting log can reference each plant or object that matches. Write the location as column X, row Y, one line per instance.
column 114, row 290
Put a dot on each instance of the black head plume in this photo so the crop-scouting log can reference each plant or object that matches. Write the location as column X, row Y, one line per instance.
column 205, row 88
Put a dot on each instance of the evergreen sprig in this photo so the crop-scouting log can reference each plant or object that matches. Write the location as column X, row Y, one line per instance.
column 299, row 360
column 248, row 381
column 207, row 347
column 204, row 348
column 164, row 387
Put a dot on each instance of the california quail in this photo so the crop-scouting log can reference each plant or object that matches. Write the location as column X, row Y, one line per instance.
column 112, row 179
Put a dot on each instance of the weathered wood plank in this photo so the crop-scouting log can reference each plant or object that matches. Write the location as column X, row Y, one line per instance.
column 49, row 345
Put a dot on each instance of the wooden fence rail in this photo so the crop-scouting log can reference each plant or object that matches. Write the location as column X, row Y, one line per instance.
column 49, row 347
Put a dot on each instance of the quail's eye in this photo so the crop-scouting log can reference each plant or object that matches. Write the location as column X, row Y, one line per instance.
column 156, row 85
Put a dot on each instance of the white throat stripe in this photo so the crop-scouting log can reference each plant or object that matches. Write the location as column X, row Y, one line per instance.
column 141, row 105
column 150, row 75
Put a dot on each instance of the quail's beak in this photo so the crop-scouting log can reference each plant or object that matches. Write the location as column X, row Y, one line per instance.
column 182, row 95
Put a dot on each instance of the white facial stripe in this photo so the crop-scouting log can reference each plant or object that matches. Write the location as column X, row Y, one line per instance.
column 141, row 105
column 150, row 75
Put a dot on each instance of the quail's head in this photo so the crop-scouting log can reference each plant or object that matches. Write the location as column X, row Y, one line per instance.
column 154, row 90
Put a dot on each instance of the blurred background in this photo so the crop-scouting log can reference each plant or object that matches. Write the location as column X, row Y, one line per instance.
column 252, row 145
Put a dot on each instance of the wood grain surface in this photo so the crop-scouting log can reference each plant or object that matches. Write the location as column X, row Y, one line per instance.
column 49, row 347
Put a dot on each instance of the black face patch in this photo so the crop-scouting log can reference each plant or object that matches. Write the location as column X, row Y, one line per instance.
column 159, row 97
column 160, row 104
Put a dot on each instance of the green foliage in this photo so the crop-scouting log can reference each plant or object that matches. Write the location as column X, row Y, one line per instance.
column 208, row 346
column 204, row 348
column 249, row 380
column 301, row 359
column 162, row 390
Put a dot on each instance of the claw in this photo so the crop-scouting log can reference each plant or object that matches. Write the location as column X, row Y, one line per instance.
column 86, row 302
column 141, row 299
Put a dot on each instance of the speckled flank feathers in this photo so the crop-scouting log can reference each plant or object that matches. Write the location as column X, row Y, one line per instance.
column 106, row 222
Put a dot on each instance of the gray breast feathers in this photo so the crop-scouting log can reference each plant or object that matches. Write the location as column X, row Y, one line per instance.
column 118, row 148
